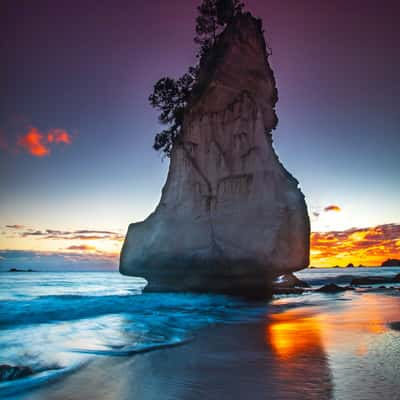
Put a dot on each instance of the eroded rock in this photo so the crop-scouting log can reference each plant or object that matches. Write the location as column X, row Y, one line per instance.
column 231, row 218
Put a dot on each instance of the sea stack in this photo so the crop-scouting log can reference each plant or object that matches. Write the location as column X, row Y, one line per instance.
column 231, row 218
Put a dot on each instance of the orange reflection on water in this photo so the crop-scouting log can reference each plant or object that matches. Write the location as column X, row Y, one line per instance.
column 318, row 343
column 345, row 327
column 293, row 332
column 295, row 339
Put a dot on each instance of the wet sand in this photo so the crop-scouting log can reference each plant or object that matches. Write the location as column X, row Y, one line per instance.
column 315, row 347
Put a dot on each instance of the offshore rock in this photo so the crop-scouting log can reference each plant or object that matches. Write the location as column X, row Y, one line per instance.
column 230, row 218
column 333, row 288
column 289, row 281
column 9, row 373
column 375, row 280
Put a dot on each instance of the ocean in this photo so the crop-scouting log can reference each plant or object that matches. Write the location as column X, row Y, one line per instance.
column 56, row 322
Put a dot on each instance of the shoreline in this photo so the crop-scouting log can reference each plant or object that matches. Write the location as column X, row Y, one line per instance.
column 305, row 350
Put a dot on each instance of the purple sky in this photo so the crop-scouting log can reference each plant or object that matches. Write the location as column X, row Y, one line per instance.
column 88, row 67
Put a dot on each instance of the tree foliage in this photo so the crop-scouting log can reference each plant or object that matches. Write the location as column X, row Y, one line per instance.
column 171, row 96
column 213, row 16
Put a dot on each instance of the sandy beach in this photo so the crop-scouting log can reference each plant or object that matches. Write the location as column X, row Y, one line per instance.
column 343, row 346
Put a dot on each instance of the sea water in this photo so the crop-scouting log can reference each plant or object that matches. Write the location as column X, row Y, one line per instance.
column 55, row 322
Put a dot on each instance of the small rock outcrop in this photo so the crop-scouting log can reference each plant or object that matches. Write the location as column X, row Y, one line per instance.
column 289, row 284
column 20, row 270
column 391, row 262
column 9, row 372
column 230, row 218
column 333, row 288
column 375, row 280
column 290, row 280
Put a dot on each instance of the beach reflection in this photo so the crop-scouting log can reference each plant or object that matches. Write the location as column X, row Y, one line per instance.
column 333, row 345
column 293, row 333
column 301, row 369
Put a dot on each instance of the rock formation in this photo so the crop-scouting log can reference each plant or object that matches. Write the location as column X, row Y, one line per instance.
column 391, row 262
column 9, row 373
column 230, row 218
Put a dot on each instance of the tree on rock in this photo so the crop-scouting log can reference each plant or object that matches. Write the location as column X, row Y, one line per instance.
column 213, row 16
column 171, row 96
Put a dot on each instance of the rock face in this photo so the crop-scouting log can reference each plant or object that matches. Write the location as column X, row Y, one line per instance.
column 230, row 218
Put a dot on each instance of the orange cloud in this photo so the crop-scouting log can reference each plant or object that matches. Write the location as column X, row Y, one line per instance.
column 367, row 246
column 82, row 247
column 58, row 136
column 332, row 208
column 34, row 143
column 37, row 143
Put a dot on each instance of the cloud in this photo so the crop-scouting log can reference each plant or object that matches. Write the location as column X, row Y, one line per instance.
column 34, row 143
column 57, row 261
column 368, row 246
column 32, row 233
column 73, row 235
column 332, row 208
column 58, row 136
column 84, row 232
column 16, row 226
column 82, row 247
column 38, row 143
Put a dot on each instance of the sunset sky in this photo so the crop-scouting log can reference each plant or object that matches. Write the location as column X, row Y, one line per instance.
column 76, row 129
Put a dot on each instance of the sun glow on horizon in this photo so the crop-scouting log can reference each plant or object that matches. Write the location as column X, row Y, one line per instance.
column 367, row 246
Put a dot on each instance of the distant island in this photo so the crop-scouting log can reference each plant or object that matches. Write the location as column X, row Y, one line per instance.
column 350, row 265
column 20, row 270
column 391, row 262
